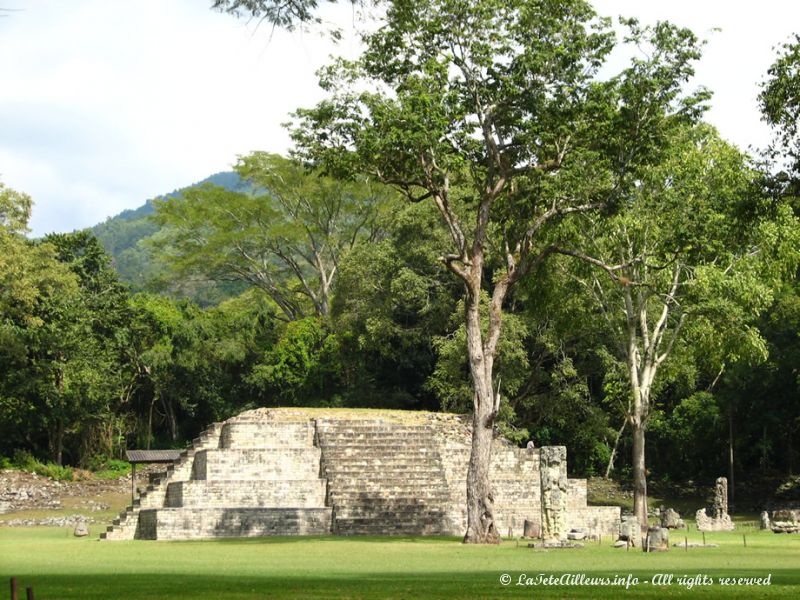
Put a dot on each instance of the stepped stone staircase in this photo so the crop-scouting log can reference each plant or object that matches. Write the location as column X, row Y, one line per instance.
column 245, row 478
column 384, row 479
column 154, row 496
column 314, row 472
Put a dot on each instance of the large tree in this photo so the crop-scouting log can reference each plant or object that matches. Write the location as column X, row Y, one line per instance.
column 493, row 111
column 287, row 239
column 691, row 257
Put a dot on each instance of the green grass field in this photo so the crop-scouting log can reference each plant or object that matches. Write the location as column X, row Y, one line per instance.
column 60, row 567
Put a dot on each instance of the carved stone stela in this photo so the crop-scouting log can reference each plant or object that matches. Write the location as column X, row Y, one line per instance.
column 720, row 519
column 553, row 471
column 721, row 498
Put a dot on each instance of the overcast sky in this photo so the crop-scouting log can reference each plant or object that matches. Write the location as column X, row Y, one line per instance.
column 105, row 103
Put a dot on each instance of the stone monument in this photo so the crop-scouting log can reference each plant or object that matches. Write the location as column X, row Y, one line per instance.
column 720, row 519
column 630, row 531
column 292, row 471
column 657, row 540
column 786, row 521
column 81, row 529
column 553, row 477
column 671, row 519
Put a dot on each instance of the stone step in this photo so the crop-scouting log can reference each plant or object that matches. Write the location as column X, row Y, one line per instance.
column 412, row 485
column 361, row 423
column 202, row 523
column 385, row 474
column 380, row 450
column 243, row 494
column 422, row 493
column 366, row 452
column 257, row 464
column 384, row 437
column 379, row 463
column 352, row 430
column 266, row 434
column 372, row 528
column 386, row 512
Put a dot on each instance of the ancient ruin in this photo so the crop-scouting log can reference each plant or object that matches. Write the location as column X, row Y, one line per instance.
column 671, row 519
column 318, row 471
column 630, row 531
column 553, row 477
column 657, row 540
column 785, row 521
column 720, row 519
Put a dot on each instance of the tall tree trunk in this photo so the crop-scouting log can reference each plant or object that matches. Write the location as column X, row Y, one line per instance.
column 150, row 422
column 639, row 473
column 481, row 525
column 171, row 419
column 612, row 458
column 57, row 442
column 730, row 456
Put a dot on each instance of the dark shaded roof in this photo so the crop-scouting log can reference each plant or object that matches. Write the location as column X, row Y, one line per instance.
column 152, row 456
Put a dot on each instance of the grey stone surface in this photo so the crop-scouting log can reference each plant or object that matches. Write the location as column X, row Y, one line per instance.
column 670, row 519
column 720, row 508
column 719, row 520
column 630, row 531
column 254, row 476
column 553, row 477
column 81, row 529
column 765, row 524
column 785, row 521
column 706, row 523
column 657, row 540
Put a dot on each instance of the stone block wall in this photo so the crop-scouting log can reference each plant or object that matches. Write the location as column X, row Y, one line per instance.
column 202, row 523
column 256, row 464
column 255, row 476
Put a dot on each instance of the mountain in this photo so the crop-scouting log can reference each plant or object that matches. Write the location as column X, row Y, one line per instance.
column 123, row 234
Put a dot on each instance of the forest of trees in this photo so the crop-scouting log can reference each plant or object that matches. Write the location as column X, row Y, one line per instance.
column 485, row 227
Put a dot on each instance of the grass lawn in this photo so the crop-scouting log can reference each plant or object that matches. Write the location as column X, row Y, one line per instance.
column 60, row 567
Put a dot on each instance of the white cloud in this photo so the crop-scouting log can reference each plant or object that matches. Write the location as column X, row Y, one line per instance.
column 105, row 103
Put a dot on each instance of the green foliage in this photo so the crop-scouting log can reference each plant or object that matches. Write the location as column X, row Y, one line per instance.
column 126, row 238
column 391, row 298
column 286, row 238
column 690, row 439
column 780, row 103
column 301, row 368
column 25, row 461
column 450, row 380
column 103, row 467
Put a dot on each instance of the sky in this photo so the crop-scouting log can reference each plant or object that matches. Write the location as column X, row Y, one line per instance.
column 106, row 103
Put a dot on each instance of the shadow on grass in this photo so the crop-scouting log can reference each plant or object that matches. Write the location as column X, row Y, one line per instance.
column 267, row 540
column 385, row 586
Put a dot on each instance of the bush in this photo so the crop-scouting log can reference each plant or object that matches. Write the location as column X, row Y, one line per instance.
column 108, row 468
column 25, row 461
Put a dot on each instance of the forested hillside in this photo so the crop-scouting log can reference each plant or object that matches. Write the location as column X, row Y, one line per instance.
column 125, row 237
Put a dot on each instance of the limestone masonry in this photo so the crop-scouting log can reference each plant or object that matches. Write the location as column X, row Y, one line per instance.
column 316, row 472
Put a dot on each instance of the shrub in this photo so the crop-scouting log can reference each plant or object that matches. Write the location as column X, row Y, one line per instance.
column 27, row 462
